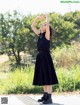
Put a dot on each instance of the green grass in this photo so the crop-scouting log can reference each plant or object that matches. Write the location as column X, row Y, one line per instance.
column 20, row 81
column 69, row 80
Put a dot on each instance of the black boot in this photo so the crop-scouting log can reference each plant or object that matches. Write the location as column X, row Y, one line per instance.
column 43, row 97
column 48, row 99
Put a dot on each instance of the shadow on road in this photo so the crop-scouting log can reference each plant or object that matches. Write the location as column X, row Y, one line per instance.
column 52, row 104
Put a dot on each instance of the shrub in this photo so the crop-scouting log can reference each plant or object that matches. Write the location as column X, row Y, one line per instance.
column 66, row 56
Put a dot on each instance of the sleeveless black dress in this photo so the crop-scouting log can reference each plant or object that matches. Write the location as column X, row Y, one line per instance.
column 44, row 68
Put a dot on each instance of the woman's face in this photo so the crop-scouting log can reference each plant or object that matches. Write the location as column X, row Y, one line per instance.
column 43, row 27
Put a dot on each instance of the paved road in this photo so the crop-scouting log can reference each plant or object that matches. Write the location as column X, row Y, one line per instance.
column 62, row 99
column 32, row 100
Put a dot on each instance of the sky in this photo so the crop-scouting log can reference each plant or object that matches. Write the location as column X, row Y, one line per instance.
column 37, row 6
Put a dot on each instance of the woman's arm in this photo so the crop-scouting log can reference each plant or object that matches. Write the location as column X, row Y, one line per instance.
column 47, row 35
column 33, row 26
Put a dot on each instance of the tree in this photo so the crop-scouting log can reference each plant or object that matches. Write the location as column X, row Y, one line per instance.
column 16, row 34
column 63, row 31
column 4, row 30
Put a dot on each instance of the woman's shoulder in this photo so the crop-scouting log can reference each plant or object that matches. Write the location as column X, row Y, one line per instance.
column 42, row 36
column 45, row 37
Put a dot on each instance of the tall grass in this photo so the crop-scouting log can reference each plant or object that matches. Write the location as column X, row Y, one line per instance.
column 17, row 82
column 67, row 64
column 69, row 80
column 20, row 81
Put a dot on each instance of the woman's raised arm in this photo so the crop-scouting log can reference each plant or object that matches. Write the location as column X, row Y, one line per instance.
column 33, row 26
column 47, row 28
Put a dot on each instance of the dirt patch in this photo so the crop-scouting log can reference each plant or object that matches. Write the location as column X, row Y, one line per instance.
column 3, row 58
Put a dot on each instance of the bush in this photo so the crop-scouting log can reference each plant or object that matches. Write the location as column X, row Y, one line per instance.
column 66, row 56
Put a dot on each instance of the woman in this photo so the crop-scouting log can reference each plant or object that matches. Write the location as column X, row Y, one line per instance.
column 44, row 68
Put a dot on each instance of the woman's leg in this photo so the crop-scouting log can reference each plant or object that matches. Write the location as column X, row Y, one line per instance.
column 44, row 94
column 48, row 91
column 48, row 88
column 45, row 88
column 46, row 98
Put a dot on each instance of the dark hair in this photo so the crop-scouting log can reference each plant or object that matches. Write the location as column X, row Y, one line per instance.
column 51, row 30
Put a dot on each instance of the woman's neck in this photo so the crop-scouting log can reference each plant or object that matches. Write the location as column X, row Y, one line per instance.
column 42, row 31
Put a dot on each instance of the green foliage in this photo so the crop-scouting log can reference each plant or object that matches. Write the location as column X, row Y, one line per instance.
column 69, row 79
column 16, row 34
column 67, row 55
column 17, row 82
column 63, row 31
column 20, row 81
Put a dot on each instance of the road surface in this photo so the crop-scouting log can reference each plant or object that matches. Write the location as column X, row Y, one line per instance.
column 32, row 100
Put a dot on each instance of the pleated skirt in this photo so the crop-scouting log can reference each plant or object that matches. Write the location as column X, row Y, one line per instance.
column 44, row 73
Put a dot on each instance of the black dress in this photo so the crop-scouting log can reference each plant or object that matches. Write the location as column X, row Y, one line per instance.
column 44, row 68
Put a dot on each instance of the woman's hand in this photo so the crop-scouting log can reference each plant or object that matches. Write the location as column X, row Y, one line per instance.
column 47, row 18
column 42, row 17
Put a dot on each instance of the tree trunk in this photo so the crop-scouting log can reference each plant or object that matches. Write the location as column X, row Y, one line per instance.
column 18, row 58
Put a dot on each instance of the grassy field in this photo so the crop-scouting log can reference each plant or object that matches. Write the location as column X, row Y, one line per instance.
column 20, row 81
